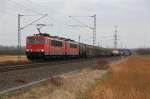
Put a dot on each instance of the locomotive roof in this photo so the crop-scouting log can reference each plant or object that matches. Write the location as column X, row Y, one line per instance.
column 53, row 37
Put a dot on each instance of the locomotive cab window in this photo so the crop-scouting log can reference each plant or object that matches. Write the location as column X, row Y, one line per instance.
column 73, row 45
column 35, row 41
column 56, row 43
column 30, row 41
column 40, row 41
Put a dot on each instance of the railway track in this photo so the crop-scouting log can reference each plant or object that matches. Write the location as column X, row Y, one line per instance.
column 11, row 80
column 7, row 68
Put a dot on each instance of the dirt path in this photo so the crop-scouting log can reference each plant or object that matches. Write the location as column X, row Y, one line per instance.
column 128, row 80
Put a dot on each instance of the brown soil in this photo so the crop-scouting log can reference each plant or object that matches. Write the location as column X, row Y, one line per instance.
column 128, row 80
column 11, row 59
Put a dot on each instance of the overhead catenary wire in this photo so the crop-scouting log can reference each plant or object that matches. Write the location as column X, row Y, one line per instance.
column 44, row 15
column 48, row 11
column 82, row 24
column 14, row 8
column 63, row 22
column 59, row 21
column 93, row 28
column 18, row 4
column 42, row 7
column 9, row 9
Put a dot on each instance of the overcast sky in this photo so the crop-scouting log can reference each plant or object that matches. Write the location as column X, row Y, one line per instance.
column 131, row 16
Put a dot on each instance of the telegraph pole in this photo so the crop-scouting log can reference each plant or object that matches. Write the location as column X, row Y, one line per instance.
column 19, row 38
column 115, row 38
column 94, row 31
column 99, row 45
column 79, row 39
column 79, row 42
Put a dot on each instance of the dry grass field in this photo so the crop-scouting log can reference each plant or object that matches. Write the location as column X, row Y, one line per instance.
column 71, row 85
column 11, row 59
column 127, row 80
column 66, row 86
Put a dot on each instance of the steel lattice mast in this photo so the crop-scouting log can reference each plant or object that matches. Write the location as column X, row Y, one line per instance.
column 21, row 28
column 93, row 28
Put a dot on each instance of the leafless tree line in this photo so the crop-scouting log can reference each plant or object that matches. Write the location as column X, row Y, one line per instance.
column 11, row 50
column 143, row 51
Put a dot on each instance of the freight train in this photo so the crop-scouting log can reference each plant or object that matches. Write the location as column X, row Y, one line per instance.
column 44, row 46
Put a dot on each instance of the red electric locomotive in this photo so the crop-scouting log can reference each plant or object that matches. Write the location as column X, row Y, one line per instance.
column 43, row 46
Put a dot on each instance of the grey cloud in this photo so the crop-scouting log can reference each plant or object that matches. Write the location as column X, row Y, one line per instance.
column 131, row 16
column 2, row 7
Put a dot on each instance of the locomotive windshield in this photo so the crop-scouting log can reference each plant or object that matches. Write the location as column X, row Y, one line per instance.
column 35, row 41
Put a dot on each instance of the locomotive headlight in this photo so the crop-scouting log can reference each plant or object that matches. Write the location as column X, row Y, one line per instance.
column 42, row 50
column 27, row 50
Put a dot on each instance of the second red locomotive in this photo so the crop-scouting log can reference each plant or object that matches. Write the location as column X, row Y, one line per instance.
column 44, row 46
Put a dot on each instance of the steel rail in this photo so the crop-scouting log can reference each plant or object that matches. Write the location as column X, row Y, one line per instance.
column 8, row 68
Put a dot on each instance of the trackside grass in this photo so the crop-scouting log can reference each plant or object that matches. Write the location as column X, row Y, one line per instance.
column 128, row 80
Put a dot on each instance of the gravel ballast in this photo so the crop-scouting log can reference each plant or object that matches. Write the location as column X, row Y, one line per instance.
column 21, row 77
